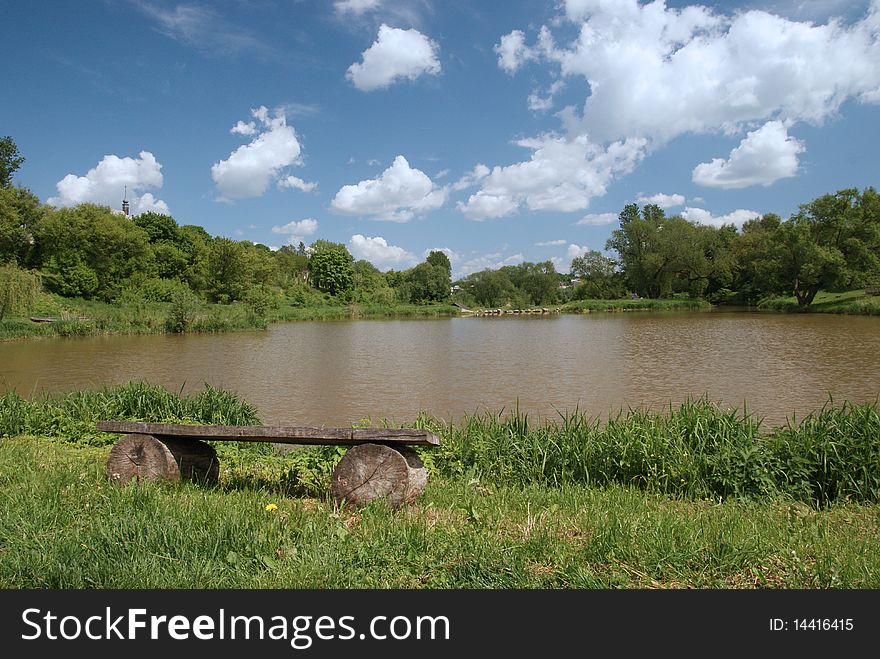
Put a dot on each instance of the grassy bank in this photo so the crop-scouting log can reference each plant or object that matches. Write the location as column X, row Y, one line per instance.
column 854, row 302
column 352, row 311
column 77, row 317
column 642, row 304
column 696, row 497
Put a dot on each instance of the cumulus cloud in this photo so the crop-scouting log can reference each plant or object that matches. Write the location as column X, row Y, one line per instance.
column 549, row 243
column 765, row 155
column 562, row 175
column 702, row 216
column 398, row 194
column 659, row 72
column 656, row 72
column 512, row 51
column 538, row 103
column 395, row 55
column 472, row 178
column 378, row 252
column 296, row 232
column 576, row 250
column 662, row 200
column 106, row 183
column 252, row 167
column 296, row 182
column 491, row 261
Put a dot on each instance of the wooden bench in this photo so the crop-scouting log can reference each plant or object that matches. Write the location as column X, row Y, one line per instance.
column 379, row 464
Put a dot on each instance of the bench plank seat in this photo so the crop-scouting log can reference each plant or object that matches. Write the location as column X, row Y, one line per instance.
column 276, row 434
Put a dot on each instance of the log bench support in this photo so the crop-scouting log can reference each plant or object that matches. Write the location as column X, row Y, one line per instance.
column 380, row 463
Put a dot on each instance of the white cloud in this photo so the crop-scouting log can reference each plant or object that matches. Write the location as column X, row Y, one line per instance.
column 395, row 55
column 702, row 216
column 549, row 243
column 242, row 128
column 656, row 72
column 469, row 180
column 662, row 200
column 148, row 203
column 576, row 250
column 562, row 175
column 538, row 103
column 106, row 184
column 513, row 52
column 491, row 261
column 765, row 155
column 252, row 167
column 398, row 194
column 297, row 232
column 296, row 182
column 598, row 219
column 356, row 7
column 378, row 252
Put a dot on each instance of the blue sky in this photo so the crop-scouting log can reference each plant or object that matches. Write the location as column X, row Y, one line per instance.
column 497, row 131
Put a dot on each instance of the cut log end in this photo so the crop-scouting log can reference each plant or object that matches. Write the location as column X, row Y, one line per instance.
column 145, row 457
column 373, row 471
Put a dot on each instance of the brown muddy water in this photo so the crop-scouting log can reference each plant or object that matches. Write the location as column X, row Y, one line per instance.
column 339, row 373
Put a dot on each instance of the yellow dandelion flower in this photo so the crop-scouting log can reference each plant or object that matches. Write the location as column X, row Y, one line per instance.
column 271, row 506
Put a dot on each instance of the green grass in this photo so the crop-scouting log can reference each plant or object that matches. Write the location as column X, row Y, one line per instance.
column 63, row 525
column 78, row 317
column 642, row 304
column 854, row 302
column 696, row 497
column 350, row 311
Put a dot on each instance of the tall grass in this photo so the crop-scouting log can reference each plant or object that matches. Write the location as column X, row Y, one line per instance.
column 72, row 416
column 695, row 451
column 63, row 525
column 349, row 311
column 586, row 306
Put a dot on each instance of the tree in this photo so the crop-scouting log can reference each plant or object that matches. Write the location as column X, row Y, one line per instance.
column 226, row 267
column 831, row 242
column 489, row 288
column 18, row 289
column 600, row 279
column 89, row 250
column 636, row 245
column 10, row 160
column 331, row 267
column 439, row 259
column 428, row 283
column 537, row 282
column 20, row 210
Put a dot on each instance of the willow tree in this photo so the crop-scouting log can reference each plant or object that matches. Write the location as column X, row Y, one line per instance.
column 18, row 289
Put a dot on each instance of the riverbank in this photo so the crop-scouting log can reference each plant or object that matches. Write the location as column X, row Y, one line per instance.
column 59, row 317
column 694, row 498
column 855, row 302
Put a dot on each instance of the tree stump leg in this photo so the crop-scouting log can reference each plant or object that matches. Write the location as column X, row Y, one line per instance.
column 147, row 457
column 372, row 471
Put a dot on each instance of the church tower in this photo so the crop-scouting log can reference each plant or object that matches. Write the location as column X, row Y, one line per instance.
column 125, row 202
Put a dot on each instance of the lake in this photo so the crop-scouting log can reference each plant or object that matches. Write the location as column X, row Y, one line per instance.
column 339, row 372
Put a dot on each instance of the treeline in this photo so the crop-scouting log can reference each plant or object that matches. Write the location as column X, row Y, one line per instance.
column 832, row 243
column 93, row 252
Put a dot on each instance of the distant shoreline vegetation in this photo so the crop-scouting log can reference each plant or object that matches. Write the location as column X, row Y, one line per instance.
column 91, row 269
